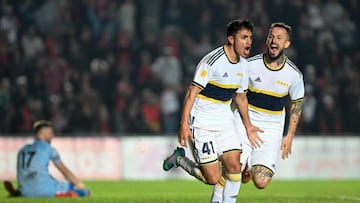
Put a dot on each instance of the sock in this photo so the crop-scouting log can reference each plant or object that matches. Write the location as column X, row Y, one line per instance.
column 191, row 167
column 217, row 194
column 231, row 188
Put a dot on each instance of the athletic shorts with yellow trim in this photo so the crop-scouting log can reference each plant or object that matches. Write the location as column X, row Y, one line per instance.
column 208, row 145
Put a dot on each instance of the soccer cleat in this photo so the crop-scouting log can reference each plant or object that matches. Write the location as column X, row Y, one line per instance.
column 67, row 194
column 171, row 161
column 82, row 192
column 10, row 188
column 245, row 175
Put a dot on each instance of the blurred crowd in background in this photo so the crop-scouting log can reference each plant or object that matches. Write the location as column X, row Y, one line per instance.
column 123, row 66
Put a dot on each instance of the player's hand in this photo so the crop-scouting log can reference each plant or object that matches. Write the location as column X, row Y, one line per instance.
column 80, row 185
column 184, row 134
column 253, row 136
column 286, row 146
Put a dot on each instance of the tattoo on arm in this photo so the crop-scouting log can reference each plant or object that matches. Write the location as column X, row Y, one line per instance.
column 261, row 172
column 297, row 106
column 295, row 113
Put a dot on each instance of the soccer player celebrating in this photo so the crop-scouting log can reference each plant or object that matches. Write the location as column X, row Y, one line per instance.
column 273, row 79
column 33, row 176
column 207, row 119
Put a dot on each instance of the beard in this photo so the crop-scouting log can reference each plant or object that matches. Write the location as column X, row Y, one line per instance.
column 274, row 58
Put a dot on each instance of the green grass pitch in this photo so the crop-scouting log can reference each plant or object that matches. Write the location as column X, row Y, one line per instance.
column 184, row 191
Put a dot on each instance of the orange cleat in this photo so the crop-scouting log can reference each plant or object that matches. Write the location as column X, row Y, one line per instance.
column 67, row 194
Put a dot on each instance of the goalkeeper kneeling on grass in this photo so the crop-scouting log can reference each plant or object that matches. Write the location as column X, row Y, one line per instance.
column 33, row 177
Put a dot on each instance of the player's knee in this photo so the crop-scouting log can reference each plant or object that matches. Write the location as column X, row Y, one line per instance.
column 261, row 176
column 212, row 179
column 261, row 184
column 233, row 168
column 235, row 177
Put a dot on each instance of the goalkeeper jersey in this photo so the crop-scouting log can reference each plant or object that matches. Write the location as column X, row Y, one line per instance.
column 32, row 170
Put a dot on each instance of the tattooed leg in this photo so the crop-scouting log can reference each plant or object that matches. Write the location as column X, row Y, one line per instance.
column 261, row 176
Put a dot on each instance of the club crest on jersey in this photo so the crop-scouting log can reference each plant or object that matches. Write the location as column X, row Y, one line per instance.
column 203, row 73
column 282, row 83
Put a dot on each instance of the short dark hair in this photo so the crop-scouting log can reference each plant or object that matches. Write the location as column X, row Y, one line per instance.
column 282, row 25
column 38, row 125
column 235, row 25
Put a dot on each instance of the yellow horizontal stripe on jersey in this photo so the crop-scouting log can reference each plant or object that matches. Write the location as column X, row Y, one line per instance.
column 270, row 93
column 227, row 86
column 213, row 100
column 266, row 110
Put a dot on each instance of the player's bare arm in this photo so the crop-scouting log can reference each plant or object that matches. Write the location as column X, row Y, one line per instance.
column 184, row 130
column 69, row 175
column 252, row 131
column 295, row 114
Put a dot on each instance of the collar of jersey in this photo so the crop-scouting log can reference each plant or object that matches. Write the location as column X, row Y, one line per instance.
column 268, row 66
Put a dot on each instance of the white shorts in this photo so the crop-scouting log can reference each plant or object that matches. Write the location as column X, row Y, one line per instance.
column 209, row 145
column 267, row 154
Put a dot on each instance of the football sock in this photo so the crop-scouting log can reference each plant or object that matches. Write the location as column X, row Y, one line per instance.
column 217, row 194
column 232, row 187
column 10, row 188
column 191, row 167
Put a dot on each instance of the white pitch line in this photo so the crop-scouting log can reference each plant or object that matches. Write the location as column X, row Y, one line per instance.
column 350, row 198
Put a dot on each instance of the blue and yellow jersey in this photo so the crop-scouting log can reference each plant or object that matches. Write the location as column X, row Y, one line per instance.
column 269, row 89
column 219, row 79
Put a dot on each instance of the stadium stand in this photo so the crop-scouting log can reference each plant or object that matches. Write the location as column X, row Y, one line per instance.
column 122, row 66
